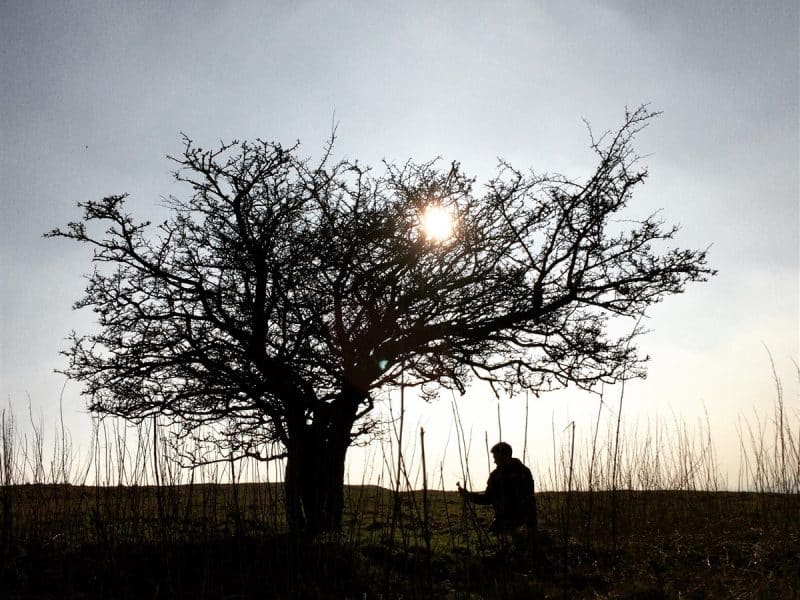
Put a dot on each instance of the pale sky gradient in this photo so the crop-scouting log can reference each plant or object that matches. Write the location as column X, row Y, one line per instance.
column 94, row 95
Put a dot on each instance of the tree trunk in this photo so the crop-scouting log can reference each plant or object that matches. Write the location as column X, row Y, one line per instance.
column 314, row 478
column 314, row 484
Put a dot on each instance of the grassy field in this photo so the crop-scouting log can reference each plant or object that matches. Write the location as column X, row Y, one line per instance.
column 629, row 517
column 215, row 541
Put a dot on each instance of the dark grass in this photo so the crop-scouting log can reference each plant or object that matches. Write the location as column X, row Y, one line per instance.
column 223, row 541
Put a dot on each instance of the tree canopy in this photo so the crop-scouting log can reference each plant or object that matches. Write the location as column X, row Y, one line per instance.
column 282, row 296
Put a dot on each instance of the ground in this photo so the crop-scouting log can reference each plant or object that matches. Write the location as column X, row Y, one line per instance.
column 221, row 541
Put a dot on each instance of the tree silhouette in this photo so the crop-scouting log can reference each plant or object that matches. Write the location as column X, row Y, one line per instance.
column 284, row 297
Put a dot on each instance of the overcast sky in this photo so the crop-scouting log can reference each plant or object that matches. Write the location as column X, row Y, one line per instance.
column 94, row 95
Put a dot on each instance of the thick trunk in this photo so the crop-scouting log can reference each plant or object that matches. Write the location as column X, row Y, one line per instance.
column 314, row 484
column 314, row 479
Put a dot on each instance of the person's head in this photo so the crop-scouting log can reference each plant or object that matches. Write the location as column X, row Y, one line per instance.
column 501, row 453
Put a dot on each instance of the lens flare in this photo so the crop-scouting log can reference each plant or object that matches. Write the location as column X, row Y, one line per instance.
column 437, row 223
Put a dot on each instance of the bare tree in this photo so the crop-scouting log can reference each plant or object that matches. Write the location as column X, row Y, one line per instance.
column 283, row 297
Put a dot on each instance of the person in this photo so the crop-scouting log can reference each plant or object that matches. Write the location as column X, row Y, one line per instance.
column 510, row 491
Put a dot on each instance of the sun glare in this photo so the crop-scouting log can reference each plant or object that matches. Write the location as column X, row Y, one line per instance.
column 437, row 223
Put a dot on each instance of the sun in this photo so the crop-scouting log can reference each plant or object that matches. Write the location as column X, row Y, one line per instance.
column 437, row 222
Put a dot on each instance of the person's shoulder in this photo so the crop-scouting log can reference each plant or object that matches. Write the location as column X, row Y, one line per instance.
column 517, row 465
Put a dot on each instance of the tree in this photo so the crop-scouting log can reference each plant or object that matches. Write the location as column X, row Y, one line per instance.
column 284, row 297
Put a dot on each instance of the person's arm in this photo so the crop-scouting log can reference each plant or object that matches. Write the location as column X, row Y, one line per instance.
column 478, row 497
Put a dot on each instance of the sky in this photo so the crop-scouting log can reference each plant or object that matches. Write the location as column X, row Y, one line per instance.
column 96, row 94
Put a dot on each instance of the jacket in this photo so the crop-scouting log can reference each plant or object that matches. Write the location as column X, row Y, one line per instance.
column 510, row 492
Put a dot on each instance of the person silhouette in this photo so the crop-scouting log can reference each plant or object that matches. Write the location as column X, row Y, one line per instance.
column 510, row 491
